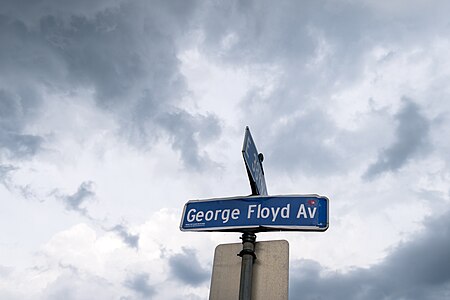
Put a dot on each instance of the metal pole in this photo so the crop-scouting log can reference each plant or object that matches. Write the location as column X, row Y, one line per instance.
column 248, row 256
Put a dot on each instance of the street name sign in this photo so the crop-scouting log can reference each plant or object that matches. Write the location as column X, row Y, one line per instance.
column 257, row 214
column 253, row 165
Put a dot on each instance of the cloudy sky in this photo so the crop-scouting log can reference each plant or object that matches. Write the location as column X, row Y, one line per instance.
column 113, row 114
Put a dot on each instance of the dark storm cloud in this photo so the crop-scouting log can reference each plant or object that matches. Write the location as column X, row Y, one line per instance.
column 20, row 145
column 139, row 283
column 132, row 240
column 314, row 45
column 19, row 101
column 316, row 48
column 186, row 268
column 187, row 132
column 309, row 147
column 411, row 138
column 15, row 108
column 293, row 35
column 124, row 51
column 292, row 32
column 76, row 201
column 418, row 269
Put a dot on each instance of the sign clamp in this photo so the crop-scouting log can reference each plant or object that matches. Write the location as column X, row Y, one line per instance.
column 248, row 258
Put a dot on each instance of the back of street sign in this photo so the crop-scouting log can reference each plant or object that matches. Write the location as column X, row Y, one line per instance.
column 257, row 214
column 253, row 165
column 270, row 271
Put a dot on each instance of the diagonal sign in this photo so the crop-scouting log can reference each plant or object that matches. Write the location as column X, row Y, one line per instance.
column 253, row 165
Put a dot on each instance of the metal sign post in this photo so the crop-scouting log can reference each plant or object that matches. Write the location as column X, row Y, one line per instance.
column 248, row 256
column 253, row 163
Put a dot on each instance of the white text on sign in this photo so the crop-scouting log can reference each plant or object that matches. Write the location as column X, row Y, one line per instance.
column 254, row 211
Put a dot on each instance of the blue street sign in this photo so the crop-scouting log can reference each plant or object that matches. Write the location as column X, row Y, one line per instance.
column 257, row 214
column 254, row 166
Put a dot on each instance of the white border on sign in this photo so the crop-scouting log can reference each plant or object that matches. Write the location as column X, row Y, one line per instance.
column 258, row 228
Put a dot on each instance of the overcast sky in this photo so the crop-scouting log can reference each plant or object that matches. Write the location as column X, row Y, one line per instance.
column 113, row 114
